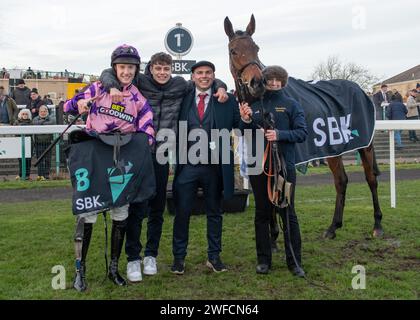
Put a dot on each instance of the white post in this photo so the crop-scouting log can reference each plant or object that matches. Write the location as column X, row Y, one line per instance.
column 392, row 167
column 246, row 187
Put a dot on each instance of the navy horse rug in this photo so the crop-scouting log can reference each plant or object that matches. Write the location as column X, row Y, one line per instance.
column 339, row 115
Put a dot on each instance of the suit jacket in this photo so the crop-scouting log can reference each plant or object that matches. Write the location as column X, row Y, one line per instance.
column 226, row 116
column 378, row 98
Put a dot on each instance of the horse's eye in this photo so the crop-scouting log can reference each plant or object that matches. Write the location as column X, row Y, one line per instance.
column 232, row 52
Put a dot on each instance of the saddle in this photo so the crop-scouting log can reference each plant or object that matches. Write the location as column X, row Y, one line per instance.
column 115, row 139
column 111, row 139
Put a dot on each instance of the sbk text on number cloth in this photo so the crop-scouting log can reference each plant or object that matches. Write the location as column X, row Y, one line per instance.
column 99, row 184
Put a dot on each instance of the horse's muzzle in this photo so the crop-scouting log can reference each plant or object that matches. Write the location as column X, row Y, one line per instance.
column 256, row 87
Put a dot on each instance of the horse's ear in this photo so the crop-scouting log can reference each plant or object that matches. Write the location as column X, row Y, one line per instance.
column 229, row 28
column 250, row 29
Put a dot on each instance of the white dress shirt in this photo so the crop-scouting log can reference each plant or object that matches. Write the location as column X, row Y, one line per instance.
column 206, row 100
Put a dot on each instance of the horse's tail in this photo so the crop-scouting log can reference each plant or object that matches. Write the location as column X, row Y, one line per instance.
column 376, row 170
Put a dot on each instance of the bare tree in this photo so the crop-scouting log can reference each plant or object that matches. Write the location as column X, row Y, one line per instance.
column 333, row 68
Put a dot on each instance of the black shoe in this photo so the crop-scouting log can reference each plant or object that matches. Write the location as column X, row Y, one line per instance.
column 297, row 271
column 263, row 268
column 178, row 267
column 216, row 264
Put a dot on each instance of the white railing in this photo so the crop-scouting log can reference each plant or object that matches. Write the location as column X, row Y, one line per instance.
column 37, row 129
column 390, row 125
column 393, row 125
column 30, row 130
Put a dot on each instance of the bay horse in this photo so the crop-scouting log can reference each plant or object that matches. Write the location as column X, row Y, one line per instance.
column 246, row 69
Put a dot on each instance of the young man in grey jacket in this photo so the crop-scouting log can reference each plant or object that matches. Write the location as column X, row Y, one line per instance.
column 165, row 95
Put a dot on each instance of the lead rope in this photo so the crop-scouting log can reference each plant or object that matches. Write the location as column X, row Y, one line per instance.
column 106, row 245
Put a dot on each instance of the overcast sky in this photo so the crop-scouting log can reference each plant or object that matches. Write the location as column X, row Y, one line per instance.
column 382, row 36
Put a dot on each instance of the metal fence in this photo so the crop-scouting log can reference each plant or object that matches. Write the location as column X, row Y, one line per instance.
column 32, row 141
column 16, row 140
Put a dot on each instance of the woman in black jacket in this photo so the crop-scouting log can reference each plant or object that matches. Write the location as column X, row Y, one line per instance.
column 397, row 111
column 42, row 141
column 24, row 119
column 284, row 123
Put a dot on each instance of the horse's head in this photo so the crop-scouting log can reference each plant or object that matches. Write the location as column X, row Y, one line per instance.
column 245, row 65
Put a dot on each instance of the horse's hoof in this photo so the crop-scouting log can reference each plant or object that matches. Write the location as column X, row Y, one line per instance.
column 329, row 234
column 377, row 233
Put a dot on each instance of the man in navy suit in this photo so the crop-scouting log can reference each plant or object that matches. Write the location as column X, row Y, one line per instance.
column 382, row 95
column 200, row 113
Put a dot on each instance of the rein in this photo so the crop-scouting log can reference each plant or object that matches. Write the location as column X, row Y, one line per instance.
column 278, row 189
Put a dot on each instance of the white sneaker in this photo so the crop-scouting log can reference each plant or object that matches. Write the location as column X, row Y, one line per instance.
column 150, row 267
column 134, row 271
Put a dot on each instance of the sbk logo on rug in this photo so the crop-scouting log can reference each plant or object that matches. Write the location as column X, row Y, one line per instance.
column 333, row 131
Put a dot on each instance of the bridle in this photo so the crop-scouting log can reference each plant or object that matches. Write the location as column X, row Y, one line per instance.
column 274, row 160
column 242, row 85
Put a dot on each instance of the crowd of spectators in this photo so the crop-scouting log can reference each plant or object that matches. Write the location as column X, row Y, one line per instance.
column 390, row 106
column 35, row 112
column 38, row 74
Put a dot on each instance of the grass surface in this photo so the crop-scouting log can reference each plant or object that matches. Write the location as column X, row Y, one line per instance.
column 35, row 236
column 12, row 184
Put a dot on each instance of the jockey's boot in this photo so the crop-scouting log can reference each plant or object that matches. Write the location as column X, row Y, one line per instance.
column 117, row 239
column 79, row 282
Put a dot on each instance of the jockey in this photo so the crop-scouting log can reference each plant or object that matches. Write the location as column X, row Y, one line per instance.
column 131, row 115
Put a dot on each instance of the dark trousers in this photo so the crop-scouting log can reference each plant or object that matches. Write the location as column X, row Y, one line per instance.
column 156, row 209
column 263, row 211
column 185, row 192
column 44, row 165
column 412, row 133
column 27, row 169
column 136, row 213
column 153, row 209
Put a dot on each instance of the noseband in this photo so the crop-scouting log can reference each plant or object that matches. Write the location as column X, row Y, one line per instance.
column 243, row 90
column 239, row 73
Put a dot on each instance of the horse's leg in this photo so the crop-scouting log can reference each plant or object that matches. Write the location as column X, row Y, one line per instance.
column 371, row 172
column 274, row 231
column 340, row 182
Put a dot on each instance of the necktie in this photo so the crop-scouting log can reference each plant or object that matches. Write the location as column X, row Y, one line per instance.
column 200, row 105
